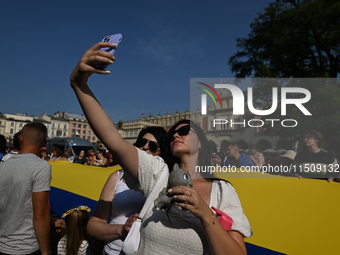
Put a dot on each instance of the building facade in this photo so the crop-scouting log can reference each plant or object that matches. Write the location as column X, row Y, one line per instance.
column 235, row 128
column 3, row 120
column 129, row 130
column 15, row 122
column 78, row 126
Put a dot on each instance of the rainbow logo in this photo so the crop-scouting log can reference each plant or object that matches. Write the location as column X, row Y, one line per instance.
column 208, row 92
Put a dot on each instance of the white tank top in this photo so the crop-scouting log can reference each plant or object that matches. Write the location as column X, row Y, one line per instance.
column 125, row 203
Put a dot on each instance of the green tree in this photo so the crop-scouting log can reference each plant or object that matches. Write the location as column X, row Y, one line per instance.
column 295, row 38
column 324, row 107
column 9, row 138
column 292, row 38
column 98, row 145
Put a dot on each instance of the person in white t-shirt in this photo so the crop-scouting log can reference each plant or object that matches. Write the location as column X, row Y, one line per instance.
column 195, row 230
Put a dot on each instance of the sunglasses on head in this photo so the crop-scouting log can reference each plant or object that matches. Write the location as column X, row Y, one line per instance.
column 153, row 146
column 182, row 131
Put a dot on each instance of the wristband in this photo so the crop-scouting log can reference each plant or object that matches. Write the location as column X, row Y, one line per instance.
column 212, row 220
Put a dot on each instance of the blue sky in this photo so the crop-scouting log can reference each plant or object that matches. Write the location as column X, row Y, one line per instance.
column 165, row 43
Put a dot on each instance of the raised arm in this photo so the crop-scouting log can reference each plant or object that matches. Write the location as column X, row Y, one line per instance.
column 101, row 124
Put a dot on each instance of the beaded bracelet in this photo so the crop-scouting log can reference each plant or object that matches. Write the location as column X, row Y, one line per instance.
column 212, row 220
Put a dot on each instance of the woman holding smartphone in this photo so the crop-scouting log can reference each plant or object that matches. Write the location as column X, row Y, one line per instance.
column 195, row 230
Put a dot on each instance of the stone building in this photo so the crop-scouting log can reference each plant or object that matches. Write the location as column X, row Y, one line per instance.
column 78, row 126
column 244, row 129
column 14, row 123
column 129, row 129
column 3, row 121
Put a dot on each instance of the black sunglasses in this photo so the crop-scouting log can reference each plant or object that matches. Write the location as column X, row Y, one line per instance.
column 182, row 131
column 153, row 146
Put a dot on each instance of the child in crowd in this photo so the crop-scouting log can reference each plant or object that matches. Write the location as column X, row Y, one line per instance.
column 74, row 242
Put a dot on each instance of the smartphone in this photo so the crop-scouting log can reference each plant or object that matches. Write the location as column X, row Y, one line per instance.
column 116, row 38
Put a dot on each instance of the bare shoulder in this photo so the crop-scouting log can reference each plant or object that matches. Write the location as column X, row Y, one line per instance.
column 109, row 187
column 114, row 177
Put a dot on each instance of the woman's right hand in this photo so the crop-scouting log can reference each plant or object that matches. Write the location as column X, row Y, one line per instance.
column 100, row 122
column 84, row 70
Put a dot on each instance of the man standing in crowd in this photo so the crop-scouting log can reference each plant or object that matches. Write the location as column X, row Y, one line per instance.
column 24, row 188
column 235, row 158
column 314, row 162
column 16, row 147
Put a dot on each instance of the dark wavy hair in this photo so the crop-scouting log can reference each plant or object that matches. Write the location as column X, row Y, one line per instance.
column 204, row 156
column 102, row 151
column 161, row 136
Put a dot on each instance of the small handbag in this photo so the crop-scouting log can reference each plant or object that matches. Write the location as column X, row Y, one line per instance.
column 132, row 240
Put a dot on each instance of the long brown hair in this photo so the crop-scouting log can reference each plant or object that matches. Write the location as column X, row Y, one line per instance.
column 75, row 223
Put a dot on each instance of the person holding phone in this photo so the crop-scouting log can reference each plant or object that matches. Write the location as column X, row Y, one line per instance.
column 120, row 204
column 195, row 230
column 99, row 160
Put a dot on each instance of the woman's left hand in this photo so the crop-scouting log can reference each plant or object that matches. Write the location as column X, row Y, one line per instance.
column 128, row 224
column 221, row 241
column 188, row 198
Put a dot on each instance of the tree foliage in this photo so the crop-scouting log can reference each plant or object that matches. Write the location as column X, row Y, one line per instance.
column 98, row 145
column 295, row 38
column 324, row 106
column 291, row 39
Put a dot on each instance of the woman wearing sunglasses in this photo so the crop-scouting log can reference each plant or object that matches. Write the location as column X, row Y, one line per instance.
column 100, row 159
column 195, row 230
column 117, row 202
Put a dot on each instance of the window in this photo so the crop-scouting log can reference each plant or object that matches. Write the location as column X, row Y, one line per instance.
column 58, row 125
column 93, row 138
column 73, row 124
column 89, row 137
column 0, row 123
column 238, row 123
column 131, row 133
column 11, row 131
column 20, row 125
column 53, row 125
column 79, row 125
column 84, row 132
column 12, row 124
column 84, row 126
column 224, row 126
column 52, row 132
column 89, row 132
column 73, row 131
column 64, row 134
column 212, row 125
column 65, row 126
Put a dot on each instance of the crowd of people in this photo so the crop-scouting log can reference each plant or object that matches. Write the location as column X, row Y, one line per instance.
column 189, row 226
column 102, row 158
column 311, row 161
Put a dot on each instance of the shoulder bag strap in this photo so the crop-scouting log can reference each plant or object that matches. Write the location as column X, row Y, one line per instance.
column 154, row 192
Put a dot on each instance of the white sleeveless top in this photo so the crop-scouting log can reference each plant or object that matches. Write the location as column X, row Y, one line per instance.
column 125, row 203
